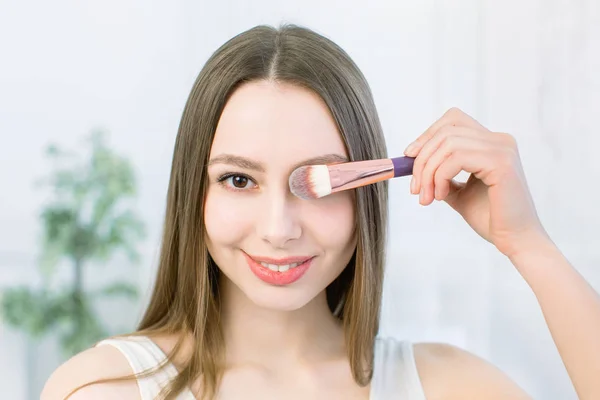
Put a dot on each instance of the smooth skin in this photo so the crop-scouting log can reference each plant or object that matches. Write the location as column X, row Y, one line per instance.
column 495, row 202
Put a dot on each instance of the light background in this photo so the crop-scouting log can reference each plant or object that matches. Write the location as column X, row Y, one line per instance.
column 525, row 67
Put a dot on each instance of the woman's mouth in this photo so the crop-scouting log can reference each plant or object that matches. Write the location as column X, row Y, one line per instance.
column 278, row 271
column 280, row 268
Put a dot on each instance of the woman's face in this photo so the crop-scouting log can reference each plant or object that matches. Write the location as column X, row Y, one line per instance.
column 277, row 249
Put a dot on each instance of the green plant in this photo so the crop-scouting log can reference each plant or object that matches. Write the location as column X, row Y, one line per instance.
column 88, row 220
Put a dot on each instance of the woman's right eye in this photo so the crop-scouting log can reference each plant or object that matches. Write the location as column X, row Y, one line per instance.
column 236, row 181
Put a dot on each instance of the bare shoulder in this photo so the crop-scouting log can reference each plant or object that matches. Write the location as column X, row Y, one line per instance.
column 448, row 372
column 96, row 363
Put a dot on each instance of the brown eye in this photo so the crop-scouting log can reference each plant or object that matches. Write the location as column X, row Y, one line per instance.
column 236, row 182
column 239, row 182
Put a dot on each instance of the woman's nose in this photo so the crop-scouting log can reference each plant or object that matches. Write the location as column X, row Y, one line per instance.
column 278, row 221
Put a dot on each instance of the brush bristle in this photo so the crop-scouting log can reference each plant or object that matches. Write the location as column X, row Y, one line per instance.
column 310, row 182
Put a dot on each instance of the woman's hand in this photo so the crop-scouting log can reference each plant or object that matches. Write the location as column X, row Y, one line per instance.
column 495, row 201
column 497, row 204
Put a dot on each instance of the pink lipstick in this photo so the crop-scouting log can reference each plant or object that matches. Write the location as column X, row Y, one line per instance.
column 279, row 272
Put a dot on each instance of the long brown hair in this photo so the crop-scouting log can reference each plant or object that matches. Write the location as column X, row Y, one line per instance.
column 185, row 296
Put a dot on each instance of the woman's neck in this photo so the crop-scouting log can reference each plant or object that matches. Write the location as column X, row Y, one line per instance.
column 256, row 335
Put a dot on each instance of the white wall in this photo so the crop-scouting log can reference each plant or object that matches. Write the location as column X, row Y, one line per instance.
column 525, row 67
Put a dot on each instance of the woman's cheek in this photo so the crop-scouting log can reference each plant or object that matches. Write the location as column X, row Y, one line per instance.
column 332, row 218
column 227, row 215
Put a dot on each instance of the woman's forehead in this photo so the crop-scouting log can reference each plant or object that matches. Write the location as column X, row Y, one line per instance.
column 265, row 116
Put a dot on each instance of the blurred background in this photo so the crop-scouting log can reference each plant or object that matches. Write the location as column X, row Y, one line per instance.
column 91, row 94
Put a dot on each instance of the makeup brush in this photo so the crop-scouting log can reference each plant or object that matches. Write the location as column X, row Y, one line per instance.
column 315, row 181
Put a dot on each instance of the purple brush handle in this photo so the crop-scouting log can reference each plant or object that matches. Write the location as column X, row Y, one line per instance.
column 403, row 166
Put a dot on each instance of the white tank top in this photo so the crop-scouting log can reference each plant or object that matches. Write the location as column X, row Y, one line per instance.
column 394, row 374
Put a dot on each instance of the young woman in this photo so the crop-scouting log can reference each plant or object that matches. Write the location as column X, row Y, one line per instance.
column 262, row 295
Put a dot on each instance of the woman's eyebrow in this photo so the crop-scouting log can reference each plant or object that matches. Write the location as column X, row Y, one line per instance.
column 323, row 159
column 248, row 163
column 238, row 161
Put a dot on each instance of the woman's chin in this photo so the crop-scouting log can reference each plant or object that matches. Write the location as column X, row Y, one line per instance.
column 279, row 298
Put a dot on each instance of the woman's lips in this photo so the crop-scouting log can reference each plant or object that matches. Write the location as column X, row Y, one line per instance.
column 279, row 272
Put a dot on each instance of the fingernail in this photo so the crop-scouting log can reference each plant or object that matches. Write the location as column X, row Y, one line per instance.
column 412, row 186
column 411, row 147
column 421, row 195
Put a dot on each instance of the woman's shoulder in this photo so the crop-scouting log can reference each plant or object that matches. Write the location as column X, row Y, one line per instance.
column 93, row 364
column 449, row 372
column 105, row 362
